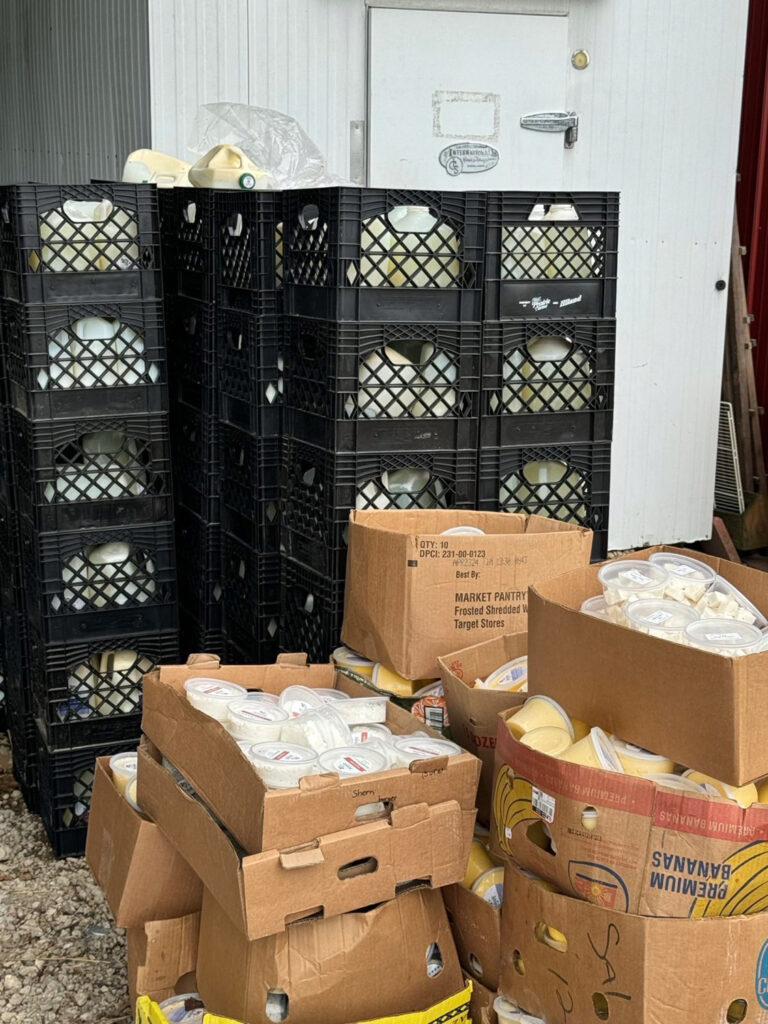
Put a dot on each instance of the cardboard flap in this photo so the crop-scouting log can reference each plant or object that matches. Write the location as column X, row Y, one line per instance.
column 404, row 817
column 429, row 765
column 211, row 661
column 315, row 783
column 306, row 857
column 297, row 659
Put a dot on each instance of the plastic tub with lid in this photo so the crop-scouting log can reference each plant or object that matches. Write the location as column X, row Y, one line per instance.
column 343, row 657
column 320, row 729
column 364, row 710
column 512, row 676
column 422, row 748
column 298, row 699
column 663, row 619
column 184, row 1009
column 123, row 768
column 212, row 696
column 639, row 761
column 374, row 731
column 594, row 751
column 727, row 637
column 349, row 762
column 130, row 796
column 280, row 765
column 744, row 796
column 625, row 581
column 724, row 601
column 689, row 579
column 255, row 720
column 490, row 886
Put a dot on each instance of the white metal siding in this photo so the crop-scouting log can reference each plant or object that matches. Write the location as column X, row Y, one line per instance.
column 659, row 110
column 74, row 81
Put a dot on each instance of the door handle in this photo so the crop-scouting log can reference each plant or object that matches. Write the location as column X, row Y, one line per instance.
column 554, row 121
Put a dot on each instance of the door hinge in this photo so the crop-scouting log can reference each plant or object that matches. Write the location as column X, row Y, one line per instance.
column 554, row 121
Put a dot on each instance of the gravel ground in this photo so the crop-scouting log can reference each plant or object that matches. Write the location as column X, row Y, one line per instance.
column 62, row 960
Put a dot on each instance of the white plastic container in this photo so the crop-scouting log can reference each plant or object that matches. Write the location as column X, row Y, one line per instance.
column 257, row 721
column 439, row 370
column 151, row 166
column 677, row 782
column 596, row 607
column 130, row 796
column 639, row 761
column 332, row 696
column 727, row 637
column 625, row 581
column 108, row 468
column 320, row 729
column 423, row 251
column 118, row 686
column 363, row 710
column 343, row 657
column 461, row 530
column 298, row 699
column 512, row 676
column 227, row 167
column 376, row 731
column 212, row 696
column 280, row 765
column 724, row 601
column 358, row 759
column 664, row 619
column 542, row 479
column 175, row 1012
column 383, row 379
column 123, row 768
column 688, row 580
column 409, row 749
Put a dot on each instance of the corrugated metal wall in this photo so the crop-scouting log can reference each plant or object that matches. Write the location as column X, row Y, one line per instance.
column 74, row 81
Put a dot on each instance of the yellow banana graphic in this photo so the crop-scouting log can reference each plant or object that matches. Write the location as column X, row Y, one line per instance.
column 747, row 885
column 511, row 804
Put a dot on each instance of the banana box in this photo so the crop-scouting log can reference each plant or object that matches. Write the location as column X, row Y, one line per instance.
column 453, row 1010
column 624, row 842
column 565, row 960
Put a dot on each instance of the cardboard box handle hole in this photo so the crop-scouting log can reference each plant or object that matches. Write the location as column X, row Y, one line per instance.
column 475, row 966
column 277, row 1005
column 600, row 1004
column 355, row 868
column 551, row 937
column 517, row 962
column 540, row 836
column 737, row 1011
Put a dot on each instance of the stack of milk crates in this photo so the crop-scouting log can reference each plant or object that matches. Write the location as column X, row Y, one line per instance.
column 383, row 300
column 222, row 255
column 87, row 554
column 549, row 334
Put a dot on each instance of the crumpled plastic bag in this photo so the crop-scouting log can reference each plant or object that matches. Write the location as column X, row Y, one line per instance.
column 275, row 142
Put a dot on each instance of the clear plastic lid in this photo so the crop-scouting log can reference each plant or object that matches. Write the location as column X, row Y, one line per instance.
column 512, row 676
column 130, row 793
column 124, row 764
column 321, row 729
column 281, row 765
column 359, row 759
column 660, row 615
column 728, row 637
column 724, row 601
column 350, row 659
column 595, row 606
column 298, row 699
column 250, row 710
column 329, row 695
column 213, row 690
column 675, row 782
column 374, row 731
column 282, row 753
column 458, row 530
column 419, row 748
column 633, row 575
column 364, row 710
column 683, row 566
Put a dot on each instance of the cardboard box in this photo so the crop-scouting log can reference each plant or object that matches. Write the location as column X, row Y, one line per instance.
column 162, row 956
column 413, row 593
column 394, row 958
column 263, row 819
column 473, row 711
column 481, row 1009
column 650, row 850
column 139, row 871
column 476, row 927
column 700, row 709
column 605, row 965
column 333, row 874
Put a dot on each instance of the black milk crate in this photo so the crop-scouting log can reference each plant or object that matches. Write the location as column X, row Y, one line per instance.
column 260, row 647
column 196, row 638
column 5, row 456
column 250, row 488
column 56, row 369
column 329, row 557
column 102, row 471
column 90, row 691
column 547, row 381
column 251, row 585
column 199, row 568
column 600, row 546
column 24, row 738
column 250, row 368
column 224, row 246
column 537, row 267
column 192, row 364
column 75, row 243
column 71, row 591
column 66, row 784
column 563, row 481
column 311, row 611
column 195, row 449
column 382, row 386
column 320, row 487
column 362, row 254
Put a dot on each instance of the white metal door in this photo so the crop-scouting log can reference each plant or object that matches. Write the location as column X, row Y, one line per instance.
column 446, row 94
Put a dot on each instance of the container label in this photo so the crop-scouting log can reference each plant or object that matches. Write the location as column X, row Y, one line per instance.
column 684, row 570
column 636, row 576
column 281, row 754
column 349, row 765
column 543, row 804
column 263, row 714
column 658, row 617
column 722, row 636
column 468, row 158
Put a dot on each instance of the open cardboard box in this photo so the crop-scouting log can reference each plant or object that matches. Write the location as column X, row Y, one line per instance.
column 138, row 869
column 393, row 958
column 271, row 819
column 476, row 929
column 472, row 710
column 162, row 956
column 649, row 850
column 567, row 960
column 264, row 892
column 414, row 593
column 481, row 1009
column 702, row 710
